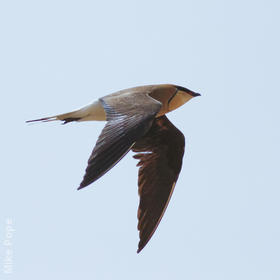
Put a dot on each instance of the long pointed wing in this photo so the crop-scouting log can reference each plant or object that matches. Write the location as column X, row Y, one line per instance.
column 160, row 153
column 129, row 117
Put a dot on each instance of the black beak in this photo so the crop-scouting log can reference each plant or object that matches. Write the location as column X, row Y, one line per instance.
column 194, row 94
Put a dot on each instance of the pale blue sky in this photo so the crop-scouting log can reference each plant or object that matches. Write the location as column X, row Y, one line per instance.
column 223, row 219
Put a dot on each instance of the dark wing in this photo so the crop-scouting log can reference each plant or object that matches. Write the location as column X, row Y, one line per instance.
column 129, row 117
column 160, row 153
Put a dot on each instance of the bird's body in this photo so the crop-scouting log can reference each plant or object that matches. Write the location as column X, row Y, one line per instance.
column 136, row 120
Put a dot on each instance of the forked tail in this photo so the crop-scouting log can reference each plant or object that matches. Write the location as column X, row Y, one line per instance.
column 62, row 117
column 91, row 112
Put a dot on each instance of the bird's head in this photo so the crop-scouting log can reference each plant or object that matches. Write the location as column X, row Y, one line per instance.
column 181, row 96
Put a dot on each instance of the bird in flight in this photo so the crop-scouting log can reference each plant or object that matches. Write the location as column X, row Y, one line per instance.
column 136, row 121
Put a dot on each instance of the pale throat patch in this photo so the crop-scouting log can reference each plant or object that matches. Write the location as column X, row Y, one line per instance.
column 178, row 100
